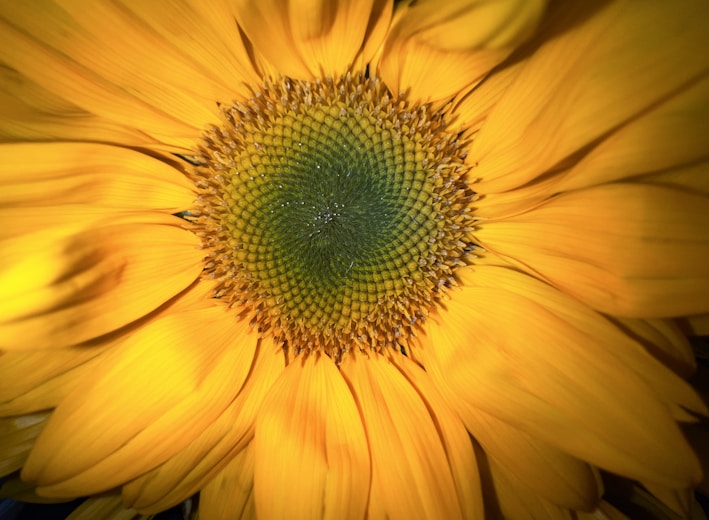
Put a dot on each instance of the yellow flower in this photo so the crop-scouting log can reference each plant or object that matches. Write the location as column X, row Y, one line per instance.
column 319, row 259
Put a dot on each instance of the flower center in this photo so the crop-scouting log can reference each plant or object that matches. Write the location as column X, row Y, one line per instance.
column 331, row 213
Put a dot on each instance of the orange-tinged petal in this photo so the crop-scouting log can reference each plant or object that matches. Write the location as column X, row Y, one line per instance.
column 104, row 508
column 310, row 447
column 455, row 438
column 17, row 435
column 229, row 495
column 305, row 39
column 209, row 453
column 664, row 340
column 60, row 287
column 550, row 378
column 697, row 325
column 168, row 382
column 606, row 65
column 543, row 470
column 474, row 107
column 670, row 138
column 632, row 250
column 411, row 476
column 460, row 41
column 465, row 25
column 518, row 502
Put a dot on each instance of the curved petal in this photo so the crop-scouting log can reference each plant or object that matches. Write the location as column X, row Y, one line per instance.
column 305, row 39
column 411, row 475
column 189, row 470
column 63, row 286
column 230, row 495
column 455, row 438
column 104, row 508
column 635, row 250
column 547, row 472
column 17, row 436
column 167, row 382
column 670, row 139
column 81, row 182
column 466, row 25
column 460, row 41
column 518, row 502
column 553, row 378
column 311, row 452
column 33, row 113
column 111, row 62
column 39, row 379
column 664, row 340
column 600, row 66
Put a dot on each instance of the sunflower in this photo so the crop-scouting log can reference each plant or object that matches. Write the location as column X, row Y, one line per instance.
column 353, row 259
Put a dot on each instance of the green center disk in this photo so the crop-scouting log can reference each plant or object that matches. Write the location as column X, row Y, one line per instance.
column 333, row 211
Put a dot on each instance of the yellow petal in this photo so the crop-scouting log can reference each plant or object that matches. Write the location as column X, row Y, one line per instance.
column 411, row 476
column 455, row 438
column 229, row 495
column 310, row 447
column 664, row 340
column 474, row 107
column 460, row 41
column 465, row 25
column 626, row 343
column 670, row 138
column 517, row 502
column 604, row 65
column 33, row 113
column 51, row 184
column 553, row 379
column 549, row 473
column 632, row 250
column 167, row 382
column 17, row 435
column 101, row 58
column 305, row 39
column 59, row 289
column 209, row 453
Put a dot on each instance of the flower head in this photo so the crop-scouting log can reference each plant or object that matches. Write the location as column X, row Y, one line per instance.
column 350, row 259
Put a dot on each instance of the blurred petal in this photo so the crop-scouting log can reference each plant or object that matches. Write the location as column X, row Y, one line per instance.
column 165, row 390
column 104, row 508
column 208, row 454
column 17, row 435
column 468, row 25
column 105, row 59
column 63, row 286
